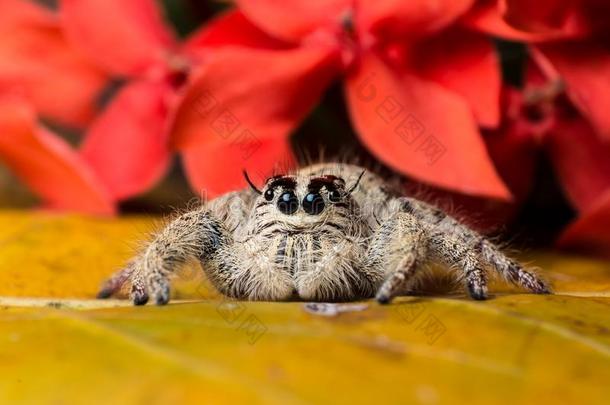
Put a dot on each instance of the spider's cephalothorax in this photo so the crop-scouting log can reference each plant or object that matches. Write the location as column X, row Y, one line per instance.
column 329, row 232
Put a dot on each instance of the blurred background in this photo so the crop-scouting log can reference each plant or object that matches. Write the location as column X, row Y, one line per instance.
column 496, row 110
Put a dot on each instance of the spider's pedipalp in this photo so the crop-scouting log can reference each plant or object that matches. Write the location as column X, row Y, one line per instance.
column 334, row 273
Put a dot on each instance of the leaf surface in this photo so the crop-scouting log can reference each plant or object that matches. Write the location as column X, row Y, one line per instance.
column 515, row 348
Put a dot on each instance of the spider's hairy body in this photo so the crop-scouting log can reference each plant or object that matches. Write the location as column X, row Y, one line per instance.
column 326, row 232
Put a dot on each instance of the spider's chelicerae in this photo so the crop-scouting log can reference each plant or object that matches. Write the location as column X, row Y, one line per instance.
column 329, row 232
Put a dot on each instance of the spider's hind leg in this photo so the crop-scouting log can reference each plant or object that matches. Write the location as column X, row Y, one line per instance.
column 460, row 247
column 512, row 270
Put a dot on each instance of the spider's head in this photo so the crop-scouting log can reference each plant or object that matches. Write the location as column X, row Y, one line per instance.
column 302, row 201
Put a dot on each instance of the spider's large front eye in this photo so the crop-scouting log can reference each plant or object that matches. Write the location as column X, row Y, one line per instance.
column 269, row 194
column 288, row 203
column 313, row 203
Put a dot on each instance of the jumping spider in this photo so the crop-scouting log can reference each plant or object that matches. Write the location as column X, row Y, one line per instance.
column 328, row 232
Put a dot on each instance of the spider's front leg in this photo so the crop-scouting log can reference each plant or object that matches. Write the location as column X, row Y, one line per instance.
column 196, row 234
column 397, row 249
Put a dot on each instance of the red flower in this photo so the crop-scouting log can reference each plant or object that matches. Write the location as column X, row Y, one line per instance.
column 565, row 100
column 125, row 150
column 417, row 82
column 569, row 41
column 127, row 145
column 42, row 75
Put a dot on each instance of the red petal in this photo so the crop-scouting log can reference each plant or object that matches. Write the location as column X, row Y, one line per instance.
column 125, row 37
column 515, row 156
column 47, row 164
column 420, row 129
column 391, row 18
column 466, row 63
column 591, row 232
column 486, row 17
column 127, row 144
column 265, row 93
column 585, row 67
column 544, row 16
column 39, row 63
column 17, row 12
column 231, row 28
column 291, row 20
column 581, row 161
column 215, row 169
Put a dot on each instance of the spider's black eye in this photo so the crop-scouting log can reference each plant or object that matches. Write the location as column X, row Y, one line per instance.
column 288, row 203
column 269, row 194
column 334, row 195
column 313, row 203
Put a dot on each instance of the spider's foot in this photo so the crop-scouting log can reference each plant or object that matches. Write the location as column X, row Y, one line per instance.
column 139, row 296
column 115, row 283
column 162, row 294
column 158, row 287
column 383, row 298
column 541, row 288
column 390, row 288
column 477, row 291
column 533, row 283
column 105, row 292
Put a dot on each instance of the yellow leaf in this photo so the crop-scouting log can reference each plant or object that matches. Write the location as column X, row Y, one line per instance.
column 59, row 346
